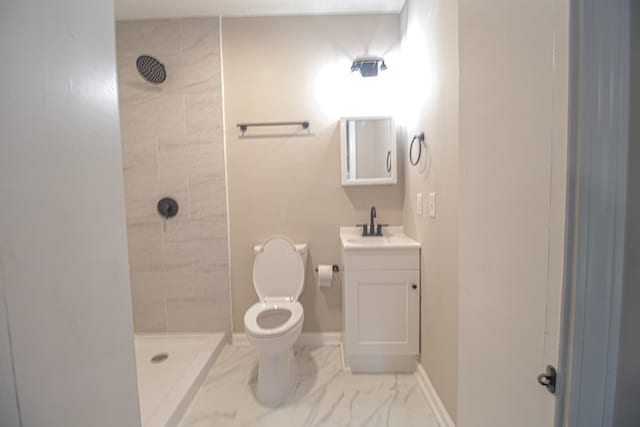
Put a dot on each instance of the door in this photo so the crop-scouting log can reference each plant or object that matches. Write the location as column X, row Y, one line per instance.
column 513, row 114
column 385, row 315
column 602, row 283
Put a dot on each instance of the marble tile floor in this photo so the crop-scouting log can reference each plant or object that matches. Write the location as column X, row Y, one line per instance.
column 325, row 396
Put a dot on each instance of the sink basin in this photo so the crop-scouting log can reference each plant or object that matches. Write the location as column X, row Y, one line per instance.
column 393, row 237
column 377, row 240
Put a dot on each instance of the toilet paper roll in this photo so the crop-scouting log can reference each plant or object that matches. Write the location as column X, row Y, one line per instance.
column 325, row 275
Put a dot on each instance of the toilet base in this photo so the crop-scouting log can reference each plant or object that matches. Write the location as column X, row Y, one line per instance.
column 277, row 376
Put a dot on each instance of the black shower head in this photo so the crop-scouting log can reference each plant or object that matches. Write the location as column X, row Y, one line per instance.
column 151, row 69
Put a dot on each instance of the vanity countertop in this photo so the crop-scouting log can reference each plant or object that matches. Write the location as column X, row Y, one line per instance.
column 392, row 238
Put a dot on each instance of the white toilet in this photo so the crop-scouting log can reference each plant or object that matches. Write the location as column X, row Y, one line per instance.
column 274, row 323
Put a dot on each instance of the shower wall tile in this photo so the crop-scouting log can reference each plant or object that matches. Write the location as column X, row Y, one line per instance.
column 141, row 156
column 188, row 230
column 203, row 255
column 198, row 35
column 162, row 283
column 133, row 91
column 203, row 285
column 173, row 147
column 169, row 120
column 145, row 246
column 214, row 256
column 150, row 315
column 193, row 160
column 195, row 314
column 204, row 117
column 207, row 197
column 142, row 193
column 150, row 37
column 192, row 73
column 136, row 117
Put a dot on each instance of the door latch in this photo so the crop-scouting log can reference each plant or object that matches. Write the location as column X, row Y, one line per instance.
column 548, row 379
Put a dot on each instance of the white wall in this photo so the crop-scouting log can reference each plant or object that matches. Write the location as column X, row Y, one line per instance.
column 292, row 68
column 63, row 254
column 430, row 47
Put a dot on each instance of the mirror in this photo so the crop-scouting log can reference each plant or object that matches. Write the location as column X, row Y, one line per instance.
column 368, row 150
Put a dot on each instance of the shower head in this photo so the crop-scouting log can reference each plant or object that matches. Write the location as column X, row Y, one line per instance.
column 151, row 69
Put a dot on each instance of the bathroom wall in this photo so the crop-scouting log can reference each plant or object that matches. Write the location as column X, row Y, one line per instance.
column 66, row 319
column 430, row 43
column 173, row 146
column 513, row 122
column 279, row 69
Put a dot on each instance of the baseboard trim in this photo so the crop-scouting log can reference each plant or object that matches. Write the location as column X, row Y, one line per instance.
column 239, row 339
column 439, row 410
column 319, row 338
column 306, row 338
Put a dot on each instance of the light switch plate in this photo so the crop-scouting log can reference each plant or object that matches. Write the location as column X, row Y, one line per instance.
column 432, row 205
column 419, row 204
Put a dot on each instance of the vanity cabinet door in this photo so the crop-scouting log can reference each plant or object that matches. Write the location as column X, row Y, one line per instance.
column 383, row 312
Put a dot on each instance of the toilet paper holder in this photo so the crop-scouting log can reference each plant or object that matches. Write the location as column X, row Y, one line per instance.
column 334, row 267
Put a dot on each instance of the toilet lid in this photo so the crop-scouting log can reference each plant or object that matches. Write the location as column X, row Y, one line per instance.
column 278, row 270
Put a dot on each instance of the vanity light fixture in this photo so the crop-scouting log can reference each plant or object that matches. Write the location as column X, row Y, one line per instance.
column 368, row 66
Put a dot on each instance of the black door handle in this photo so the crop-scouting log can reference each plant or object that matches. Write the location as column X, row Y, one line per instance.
column 414, row 286
column 548, row 379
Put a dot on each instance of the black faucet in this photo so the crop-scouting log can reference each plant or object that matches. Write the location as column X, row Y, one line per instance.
column 373, row 217
column 372, row 230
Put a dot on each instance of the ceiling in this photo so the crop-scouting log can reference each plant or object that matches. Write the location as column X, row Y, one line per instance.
column 148, row 9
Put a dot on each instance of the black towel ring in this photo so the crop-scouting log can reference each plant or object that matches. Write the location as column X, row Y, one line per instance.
column 420, row 139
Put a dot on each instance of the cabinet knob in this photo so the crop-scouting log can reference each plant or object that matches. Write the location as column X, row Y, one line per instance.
column 414, row 286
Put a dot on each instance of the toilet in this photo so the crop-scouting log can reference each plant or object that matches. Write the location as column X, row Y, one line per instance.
column 274, row 323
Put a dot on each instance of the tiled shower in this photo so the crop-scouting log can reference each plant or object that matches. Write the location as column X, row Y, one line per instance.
column 172, row 146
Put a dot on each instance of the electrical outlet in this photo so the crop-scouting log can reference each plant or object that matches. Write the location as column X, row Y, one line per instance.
column 432, row 205
column 419, row 204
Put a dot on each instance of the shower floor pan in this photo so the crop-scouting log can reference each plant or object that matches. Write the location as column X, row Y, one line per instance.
column 171, row 368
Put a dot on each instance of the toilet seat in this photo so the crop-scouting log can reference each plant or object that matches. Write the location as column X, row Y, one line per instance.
column 278, row 270
column 252, row 314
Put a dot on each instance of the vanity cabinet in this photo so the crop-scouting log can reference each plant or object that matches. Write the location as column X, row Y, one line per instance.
column 381, row 303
